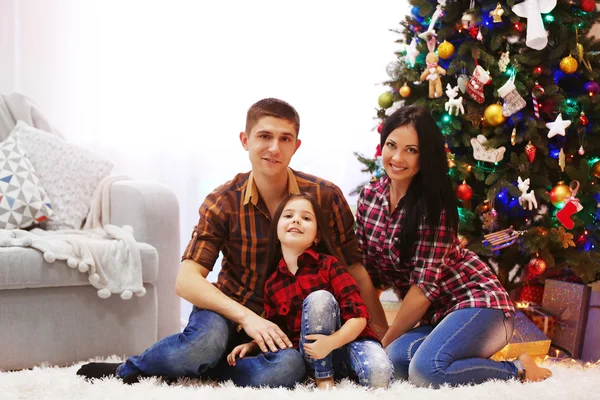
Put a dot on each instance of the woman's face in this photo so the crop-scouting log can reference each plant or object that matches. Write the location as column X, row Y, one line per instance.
column 297, row 226
column 400, row 154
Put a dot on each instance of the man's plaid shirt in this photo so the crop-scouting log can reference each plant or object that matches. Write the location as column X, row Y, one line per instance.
column 451, row 277
column 285, row 292
column 235, row 220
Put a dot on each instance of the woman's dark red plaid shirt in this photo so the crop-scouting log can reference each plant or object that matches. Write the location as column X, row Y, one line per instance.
column 285, row 292
column 451, row 277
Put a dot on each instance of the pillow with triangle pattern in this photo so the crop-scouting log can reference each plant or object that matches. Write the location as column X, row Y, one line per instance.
column 23, row 202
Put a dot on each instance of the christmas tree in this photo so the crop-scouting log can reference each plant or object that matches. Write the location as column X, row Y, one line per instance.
column 514, row 90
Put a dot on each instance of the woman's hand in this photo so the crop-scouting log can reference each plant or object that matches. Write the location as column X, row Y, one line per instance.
column 240, row 351
column 412, row 309
column 321, row 346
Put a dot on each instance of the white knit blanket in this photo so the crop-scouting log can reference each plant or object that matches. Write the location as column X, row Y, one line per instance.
column 109, row 255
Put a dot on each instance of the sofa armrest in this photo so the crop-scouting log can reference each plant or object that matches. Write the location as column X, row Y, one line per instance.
column 153, row 212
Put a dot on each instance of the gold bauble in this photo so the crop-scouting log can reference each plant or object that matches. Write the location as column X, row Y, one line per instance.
column 445, row 50
column 568, row 65
column 404, row 91
column 493, row 115
column 596, row 169
column 559, row 194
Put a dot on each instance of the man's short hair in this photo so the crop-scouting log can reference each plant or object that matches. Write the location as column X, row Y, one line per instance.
column 272, row 108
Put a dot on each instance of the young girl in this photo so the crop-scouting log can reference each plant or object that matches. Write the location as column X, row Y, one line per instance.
column 313, row 298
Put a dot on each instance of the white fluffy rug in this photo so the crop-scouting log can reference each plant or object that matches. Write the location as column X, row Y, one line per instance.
column 570, row 381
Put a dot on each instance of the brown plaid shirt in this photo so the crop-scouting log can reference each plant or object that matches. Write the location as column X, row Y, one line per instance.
column 235, row 220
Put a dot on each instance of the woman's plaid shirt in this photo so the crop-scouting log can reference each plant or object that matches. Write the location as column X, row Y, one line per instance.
column 285, row 292
column 451, row 277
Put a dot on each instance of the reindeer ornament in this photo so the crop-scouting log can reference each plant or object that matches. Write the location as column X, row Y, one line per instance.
column 526, row 197
column 453, row 105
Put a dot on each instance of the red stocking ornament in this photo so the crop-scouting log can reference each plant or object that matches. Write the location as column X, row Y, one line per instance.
column 475, row 85
column 571, row 207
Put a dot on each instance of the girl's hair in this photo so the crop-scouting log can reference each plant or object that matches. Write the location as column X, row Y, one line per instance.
column 325, row 244
column 430, row 192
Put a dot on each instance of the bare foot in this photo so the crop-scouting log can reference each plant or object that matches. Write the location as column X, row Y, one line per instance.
column 533, row 373
column 324, row 383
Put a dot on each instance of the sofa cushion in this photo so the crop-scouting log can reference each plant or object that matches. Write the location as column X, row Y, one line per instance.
column 23, row 201
column 26, row 268
column 69, row 173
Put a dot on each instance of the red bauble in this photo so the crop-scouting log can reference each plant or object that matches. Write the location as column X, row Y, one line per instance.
column 583, row 119
column 530, row 151
column 588, row 5
column 536, row 266
column 464, row 192
column 379, row 128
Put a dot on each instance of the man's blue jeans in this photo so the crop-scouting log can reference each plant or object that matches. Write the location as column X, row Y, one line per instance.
column 363, row 359
column 456, row 351
column 200, row 351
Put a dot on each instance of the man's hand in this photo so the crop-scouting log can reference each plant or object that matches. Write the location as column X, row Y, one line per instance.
column 320, row 348
column 268, row 336
column 240, row 351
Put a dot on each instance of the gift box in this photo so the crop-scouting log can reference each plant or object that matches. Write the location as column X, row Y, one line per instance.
column 591, row 338
column 543, row 319
column 532, row 293
column 569, row 301
column 526, row 338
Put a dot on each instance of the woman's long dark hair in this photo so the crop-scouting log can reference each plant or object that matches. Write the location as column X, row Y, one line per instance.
column 430, row 191
column 325, row 244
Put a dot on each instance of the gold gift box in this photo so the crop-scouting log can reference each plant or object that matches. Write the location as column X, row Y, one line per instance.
column 526, row 338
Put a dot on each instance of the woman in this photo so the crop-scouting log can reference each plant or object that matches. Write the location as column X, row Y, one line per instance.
column 407, row 225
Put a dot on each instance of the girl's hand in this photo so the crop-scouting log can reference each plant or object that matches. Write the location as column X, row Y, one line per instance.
column 320, row 348
column 240, row 351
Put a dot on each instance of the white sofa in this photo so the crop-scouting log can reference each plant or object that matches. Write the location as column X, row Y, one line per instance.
column 50, row 313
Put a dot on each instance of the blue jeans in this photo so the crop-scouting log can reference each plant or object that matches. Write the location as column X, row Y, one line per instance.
column 363, row 359
column 456, row 351
column 200, row 351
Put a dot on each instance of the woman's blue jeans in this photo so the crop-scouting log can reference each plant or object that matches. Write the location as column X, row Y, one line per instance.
column 200, row 351
column 363, row 359
column 456, row 351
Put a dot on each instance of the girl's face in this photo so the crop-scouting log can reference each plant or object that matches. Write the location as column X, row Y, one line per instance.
column 297, row 226
column 400, row 154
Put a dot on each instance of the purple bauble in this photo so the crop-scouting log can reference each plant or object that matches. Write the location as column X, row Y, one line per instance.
column 592, row 88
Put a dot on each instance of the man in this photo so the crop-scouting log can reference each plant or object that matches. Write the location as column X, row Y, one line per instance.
column 234, row 220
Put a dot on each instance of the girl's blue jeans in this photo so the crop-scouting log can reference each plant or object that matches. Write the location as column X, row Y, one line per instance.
column 456, row 351
column 362, row 359
column 200, row 351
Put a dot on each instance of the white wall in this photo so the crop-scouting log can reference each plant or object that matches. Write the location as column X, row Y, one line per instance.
column 162, row 87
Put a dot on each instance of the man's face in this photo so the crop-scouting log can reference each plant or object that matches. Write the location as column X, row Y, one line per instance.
column 271, row 144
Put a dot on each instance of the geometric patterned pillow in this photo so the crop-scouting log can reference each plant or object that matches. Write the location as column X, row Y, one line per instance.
column 23, row 202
